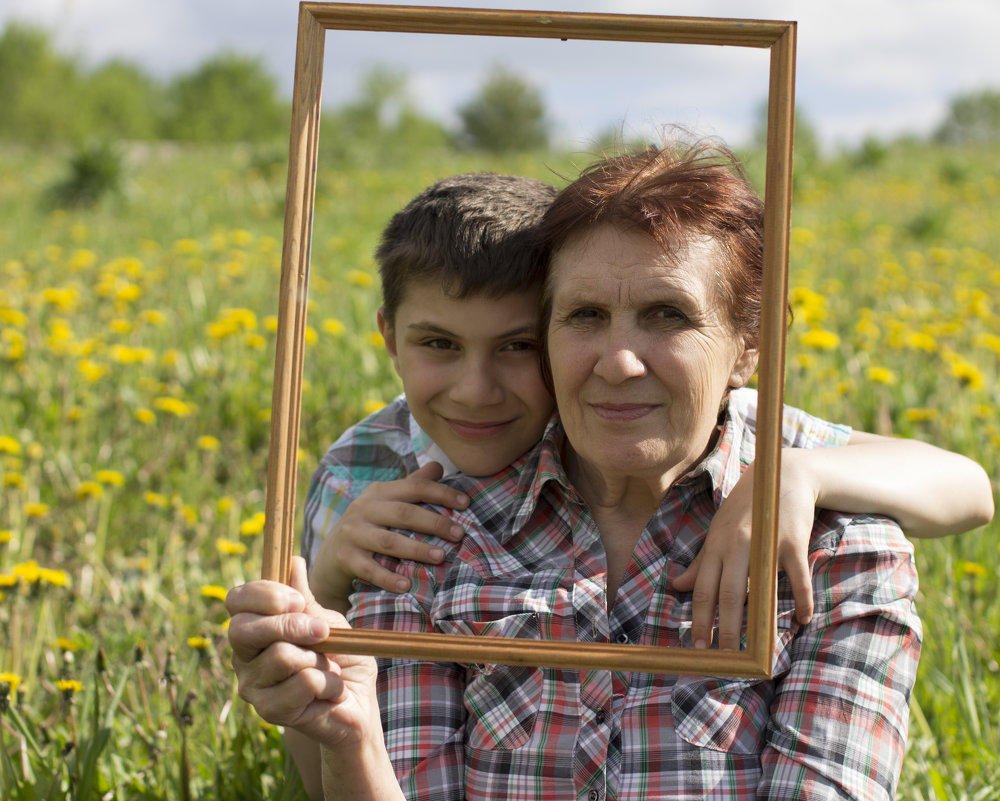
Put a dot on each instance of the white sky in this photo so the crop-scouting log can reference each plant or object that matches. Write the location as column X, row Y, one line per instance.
column 880, row 67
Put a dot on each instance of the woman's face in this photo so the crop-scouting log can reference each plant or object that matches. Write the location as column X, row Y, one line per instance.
column 641, row 352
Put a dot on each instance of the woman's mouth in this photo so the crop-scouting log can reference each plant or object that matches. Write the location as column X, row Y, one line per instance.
column 622, row 412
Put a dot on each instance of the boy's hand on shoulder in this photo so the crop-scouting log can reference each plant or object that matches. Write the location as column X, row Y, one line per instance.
column 366, row 529
column 718, row 576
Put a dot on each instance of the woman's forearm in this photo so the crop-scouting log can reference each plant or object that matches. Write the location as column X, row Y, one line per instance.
column 930, row 492
column 361, row 777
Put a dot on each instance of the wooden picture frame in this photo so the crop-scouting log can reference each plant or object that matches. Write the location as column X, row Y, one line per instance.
column 315, row 19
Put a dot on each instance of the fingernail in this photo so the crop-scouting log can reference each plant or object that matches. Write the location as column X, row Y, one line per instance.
column 463, row 500
column 701, row 644
column 436, row 554
column 457, row 532
column 318, row 629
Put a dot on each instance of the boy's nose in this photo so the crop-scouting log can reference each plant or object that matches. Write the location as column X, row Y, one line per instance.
column 476, row 385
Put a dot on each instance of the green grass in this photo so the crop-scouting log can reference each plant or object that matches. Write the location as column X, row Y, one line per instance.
column 136, row 344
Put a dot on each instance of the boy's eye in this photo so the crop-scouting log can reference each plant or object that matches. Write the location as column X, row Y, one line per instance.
column 521, row 345
column 439, row 343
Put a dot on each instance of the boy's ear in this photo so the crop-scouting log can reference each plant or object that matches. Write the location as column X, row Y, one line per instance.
column 743, row 368
column 389, row 335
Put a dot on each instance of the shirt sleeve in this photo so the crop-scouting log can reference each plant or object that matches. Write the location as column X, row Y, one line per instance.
column 421, row 703
column 841, row 708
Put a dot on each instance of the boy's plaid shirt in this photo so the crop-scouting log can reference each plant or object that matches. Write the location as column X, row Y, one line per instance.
column 832, row 723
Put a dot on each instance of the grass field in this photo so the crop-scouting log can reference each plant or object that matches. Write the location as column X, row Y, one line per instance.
column 136, row 344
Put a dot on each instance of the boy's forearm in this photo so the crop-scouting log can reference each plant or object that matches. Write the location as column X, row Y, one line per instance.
column 928, row 491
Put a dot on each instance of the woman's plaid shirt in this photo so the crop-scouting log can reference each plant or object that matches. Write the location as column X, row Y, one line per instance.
column 831, row 724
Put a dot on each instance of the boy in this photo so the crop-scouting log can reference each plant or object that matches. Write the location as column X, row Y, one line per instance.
column 462, row 275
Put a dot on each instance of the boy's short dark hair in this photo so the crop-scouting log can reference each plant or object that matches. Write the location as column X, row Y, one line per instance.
column 472, row 233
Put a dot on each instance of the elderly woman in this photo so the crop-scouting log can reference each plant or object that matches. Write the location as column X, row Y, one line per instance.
column 651, row 309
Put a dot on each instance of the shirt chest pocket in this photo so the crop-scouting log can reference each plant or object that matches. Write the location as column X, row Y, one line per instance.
column 502, row 704
column 720, row 714
column 729, row 715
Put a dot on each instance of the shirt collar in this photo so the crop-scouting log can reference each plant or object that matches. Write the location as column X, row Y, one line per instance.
column 723, row 466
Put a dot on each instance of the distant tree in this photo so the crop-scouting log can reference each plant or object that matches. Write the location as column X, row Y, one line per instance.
column 124, row 102
column 227, row 99
column 381, row 122
column 39, row 89
column 973, row 118
column 508, row 114
column 807, row 144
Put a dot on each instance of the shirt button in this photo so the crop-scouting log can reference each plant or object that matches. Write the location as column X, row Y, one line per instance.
column 593, row 795
column 623, row 638
column 599, row 717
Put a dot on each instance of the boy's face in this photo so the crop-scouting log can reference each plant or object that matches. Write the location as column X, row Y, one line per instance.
column 470, row 372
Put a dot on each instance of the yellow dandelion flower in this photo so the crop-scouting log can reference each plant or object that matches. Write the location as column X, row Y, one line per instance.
column 921, row 414
column 111, row 477
column 64, row 298
column 244, row 318
column 214, row 591
column 13, row 317
column 988, row 341
column 375, row 340
column 153, row 317
column 972, row 569
column 189, row 514
column 199, row 643
column 9, row 445
column 28, row 572
column 920, row 340
column 186, row 247
column 968, row 375
column 224, row 504
column 229, row 548
column 220, row 329
column 255, row 341
column 36, row 509
column 371, row 406
column 35, row 451
column 271, row 323
column 208, row 443
column 92, row 371
column 6, row 535
column 89, row 489
column 156, row 499
column 310, row 335
column 68, row 686
column 81, row 260
column 333, row 327
column 253, row 525
column 360, row 278
column 144, row 416
column 13, row 479
column 12, row 680
column 174, row 406
column 881, row 375
column 57, row 578
column 66, row 644
column 820, row 339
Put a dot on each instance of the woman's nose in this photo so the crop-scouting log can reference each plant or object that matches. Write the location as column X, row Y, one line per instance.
column 619, row 359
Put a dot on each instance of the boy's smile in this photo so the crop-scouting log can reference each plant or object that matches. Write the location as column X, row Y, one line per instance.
column 470, row 372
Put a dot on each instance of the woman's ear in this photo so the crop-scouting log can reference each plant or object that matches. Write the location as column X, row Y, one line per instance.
column 743, row 368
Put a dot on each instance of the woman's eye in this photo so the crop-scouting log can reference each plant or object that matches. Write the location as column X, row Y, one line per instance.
column 668, row 313
column 584, row 314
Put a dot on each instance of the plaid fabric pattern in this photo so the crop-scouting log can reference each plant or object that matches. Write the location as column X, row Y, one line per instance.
column 385, row 446
column 831, row 724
